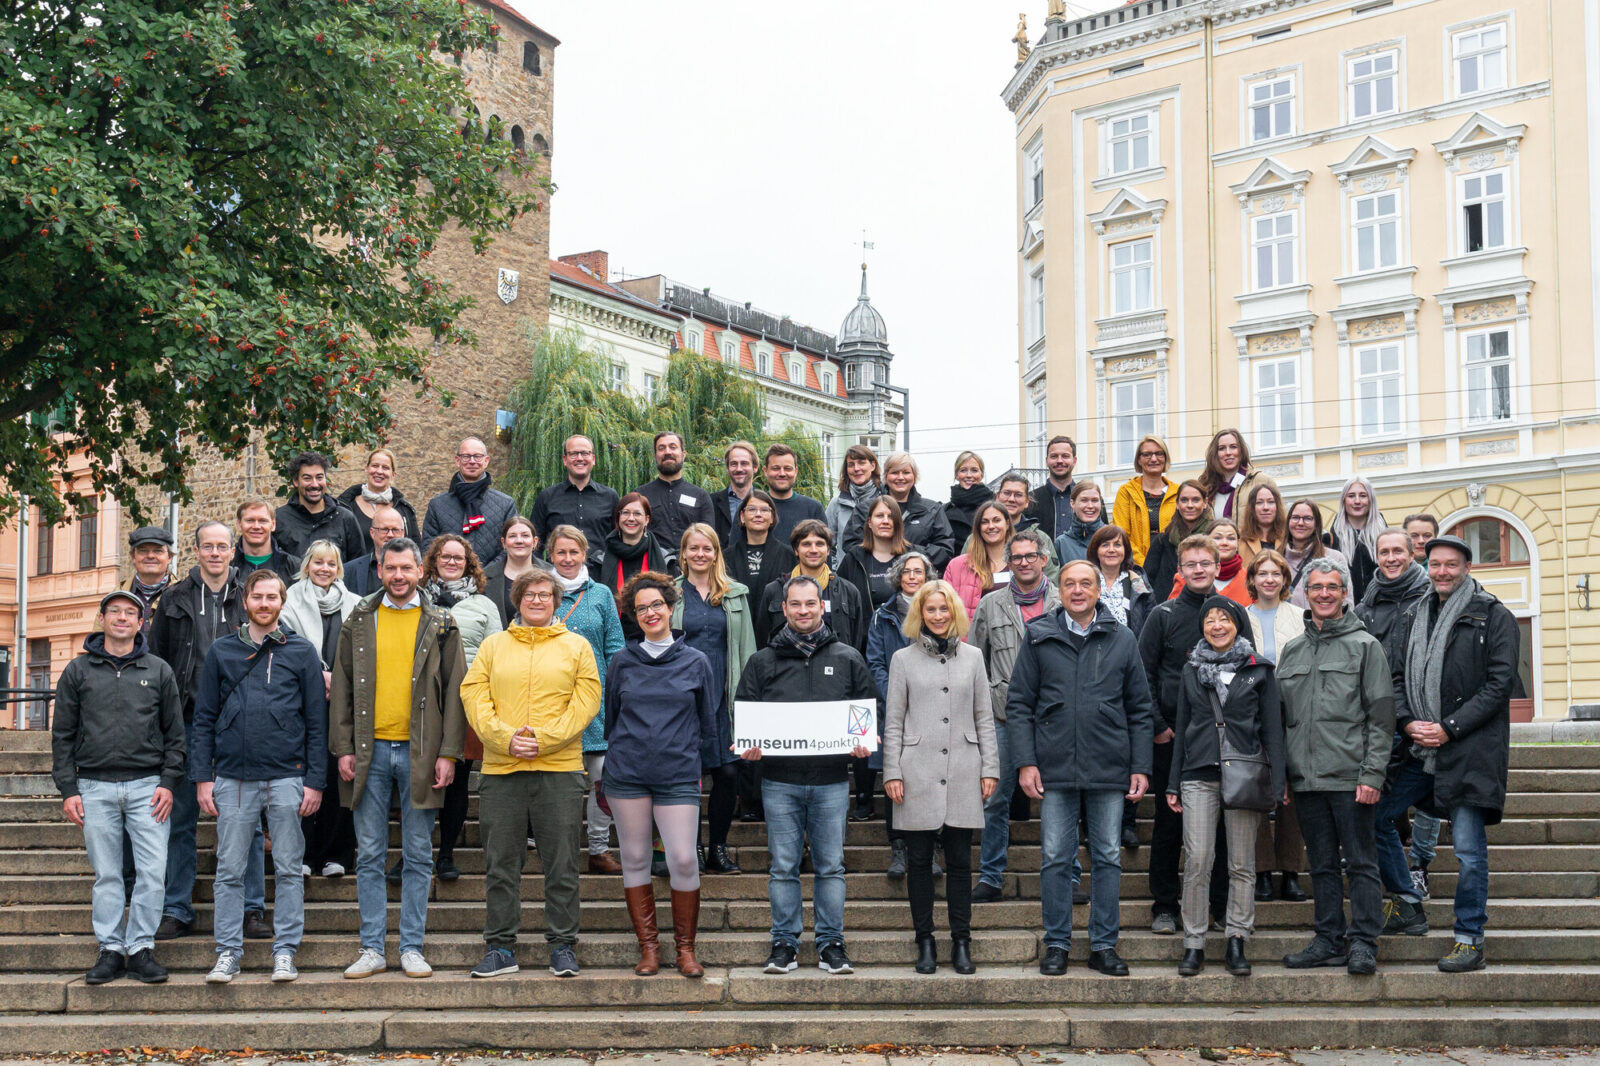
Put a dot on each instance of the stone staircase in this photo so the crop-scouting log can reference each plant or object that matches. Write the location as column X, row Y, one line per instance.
column 1542, row 985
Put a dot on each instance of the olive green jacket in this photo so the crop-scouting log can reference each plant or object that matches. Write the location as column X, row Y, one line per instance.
column 741, row 631
column 1338, row 707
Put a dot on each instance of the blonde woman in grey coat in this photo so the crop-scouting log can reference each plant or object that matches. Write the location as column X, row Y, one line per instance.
column 940, row 761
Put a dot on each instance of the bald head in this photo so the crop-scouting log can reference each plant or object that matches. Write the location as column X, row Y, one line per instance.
column 387, row 524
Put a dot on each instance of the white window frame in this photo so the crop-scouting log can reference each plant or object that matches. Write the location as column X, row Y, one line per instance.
column 652, row 388
column 1279, row 106
column 1276, row 403
column 1140, row 417
column 1379, row 385
column 1125, row 270
column 1467, row 51
column 730, row 351
column 1129, row 138
column 1487, row 364
column 619, row 376
column 1038, row 409
column 1369, row 82
column 1033, row 174
column 1036, row 306
column 1383, row 230
column 1276, row 240
column 852, row 376
column 825, row 445
column 829, row 382
column 764, row 364
column 1465, row 200
column 797, row 373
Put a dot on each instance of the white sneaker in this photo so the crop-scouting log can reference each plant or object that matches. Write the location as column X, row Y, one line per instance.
column 305, row 871
column 226, row 967
column 367, row 963
column 414, row 964
column 332, row 869
column 283, row 967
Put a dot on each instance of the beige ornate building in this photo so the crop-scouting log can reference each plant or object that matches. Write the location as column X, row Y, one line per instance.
column 1363, row 231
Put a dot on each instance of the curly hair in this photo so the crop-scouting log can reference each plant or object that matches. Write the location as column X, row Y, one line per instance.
column 647, row 579
column 430, row 561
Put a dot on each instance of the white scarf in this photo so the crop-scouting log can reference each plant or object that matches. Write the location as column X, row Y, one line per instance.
column 386, row 496
column 573, row 584
column 329, row 600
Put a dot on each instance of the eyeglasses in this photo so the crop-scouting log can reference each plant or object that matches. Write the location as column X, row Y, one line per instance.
column 1324, row 588
column 580, row 455
column 649, row 608
column 469, row 458
column 1151, row 455
column 393, row 531
column 631, row 514
column 539, row 597
column 1205, row 565
column 1030, row 557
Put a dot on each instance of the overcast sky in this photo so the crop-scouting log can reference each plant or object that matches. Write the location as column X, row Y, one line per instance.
column 744, row 146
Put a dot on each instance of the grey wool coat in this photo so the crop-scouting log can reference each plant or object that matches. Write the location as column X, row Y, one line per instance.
column 938, row 735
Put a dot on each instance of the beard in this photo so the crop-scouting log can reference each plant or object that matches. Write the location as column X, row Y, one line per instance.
column 668, row 467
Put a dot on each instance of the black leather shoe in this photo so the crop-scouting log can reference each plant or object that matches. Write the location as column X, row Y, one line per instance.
column 927, row 955
column 1054, row 963
column 1235, row 961
column 719, row 860
column 1130, row 836
column 863, row 811
column 256, row 926
column 1108, row 962
column 984, row 892
column 1291, row 890
column 1263, row 887
column 108, row 967
column 1363, row 959
column 1193, row 961
column 171, row 928
column 1317, row 953
column 700, row 856
column 753, row 814
column 143, row 966
column 961, row 955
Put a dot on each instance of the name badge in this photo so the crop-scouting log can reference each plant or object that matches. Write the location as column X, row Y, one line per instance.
column 1003, row 578
column 827, row 606
column 687, row 500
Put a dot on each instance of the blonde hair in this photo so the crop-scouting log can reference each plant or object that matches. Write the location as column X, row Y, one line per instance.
column 386, row 453
column 572, row 533
column 958, row 610
column 1151, row 438
column 719, row 570
column 975, row 457
column 899, row 459
column 317, row 549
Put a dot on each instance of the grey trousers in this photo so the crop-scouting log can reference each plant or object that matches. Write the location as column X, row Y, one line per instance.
column 1202, row 806
column 551, row 802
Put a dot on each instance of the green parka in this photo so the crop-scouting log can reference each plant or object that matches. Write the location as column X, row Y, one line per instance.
column 1338, row 707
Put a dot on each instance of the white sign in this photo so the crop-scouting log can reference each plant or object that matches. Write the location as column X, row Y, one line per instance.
column 823, row 727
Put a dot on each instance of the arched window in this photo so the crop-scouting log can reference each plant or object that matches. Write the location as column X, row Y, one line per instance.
column 491, row 128
column 1493, row 542
column 517, row 138
column 530, row 57
column 540, row 145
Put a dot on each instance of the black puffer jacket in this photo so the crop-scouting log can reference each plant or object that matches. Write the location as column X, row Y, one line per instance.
column 927, row 527
column 184, row 629
column 118, row 719
column 1384, row 607
column 1480, row 671
column 408, row 513
column 1080, row 710
column 782, row 672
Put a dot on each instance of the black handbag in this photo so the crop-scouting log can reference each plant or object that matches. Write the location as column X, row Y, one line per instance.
column 1246, row 776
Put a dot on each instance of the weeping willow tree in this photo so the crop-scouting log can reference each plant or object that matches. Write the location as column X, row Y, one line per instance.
column 710, row 404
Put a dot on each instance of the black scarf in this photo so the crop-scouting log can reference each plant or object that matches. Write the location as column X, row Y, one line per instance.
column 470, row 493
column 1410, row 585
column 625, row 551
column 968, row 500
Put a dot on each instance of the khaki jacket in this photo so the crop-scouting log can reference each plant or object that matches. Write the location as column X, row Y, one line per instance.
column 438, row 726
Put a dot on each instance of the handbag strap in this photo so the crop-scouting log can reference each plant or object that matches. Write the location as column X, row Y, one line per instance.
column 1216, row 707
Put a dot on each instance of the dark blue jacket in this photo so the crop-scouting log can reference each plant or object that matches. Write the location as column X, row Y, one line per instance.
column 262, row 711
column 661, row 715
column 884, row 638
column 361, row 576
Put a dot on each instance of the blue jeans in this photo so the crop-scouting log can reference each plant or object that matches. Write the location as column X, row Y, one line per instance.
column 1467, row 836
column 1424, row 838
column 391, row 770
column 240, row 805
column 109, row 809
column 181, row 854
column 1058, row 827
column 795, row 812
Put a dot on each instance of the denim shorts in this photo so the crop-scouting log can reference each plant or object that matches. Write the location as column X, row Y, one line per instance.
column 661, row 795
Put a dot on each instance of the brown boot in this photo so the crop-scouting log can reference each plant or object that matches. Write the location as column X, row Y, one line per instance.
column 601, row 862
column 642, row 910
column 685, row 921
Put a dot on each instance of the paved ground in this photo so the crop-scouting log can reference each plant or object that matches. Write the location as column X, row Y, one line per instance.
column 878, row 1055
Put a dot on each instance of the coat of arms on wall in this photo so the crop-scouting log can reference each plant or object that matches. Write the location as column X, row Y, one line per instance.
column 507, row 285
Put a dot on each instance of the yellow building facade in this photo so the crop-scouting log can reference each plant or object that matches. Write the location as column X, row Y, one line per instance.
column 1363, row 232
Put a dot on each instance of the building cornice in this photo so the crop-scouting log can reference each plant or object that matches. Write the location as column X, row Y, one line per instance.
column 582, row 305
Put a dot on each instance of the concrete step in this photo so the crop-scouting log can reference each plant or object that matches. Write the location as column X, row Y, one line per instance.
column 1556, row 780
column 24, row 740
column 68, row 956
column 1551, row 756
column 39, row 784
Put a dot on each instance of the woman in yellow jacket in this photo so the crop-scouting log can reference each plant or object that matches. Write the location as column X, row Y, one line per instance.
column 1145, row 502
column 530, row 693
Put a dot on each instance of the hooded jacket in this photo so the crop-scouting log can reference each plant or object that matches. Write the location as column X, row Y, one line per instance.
column 1480, row 672
column 783, row 673
column 447, row 513
column 298, row 528
column 540, row 677
column 261, row 713
column 926, row 527
column 661, row 715
column 116, row 719
column 408, row 513
column 185, row 625
column 438, row 729
column 1073, row 541
column 1079, row 707
column 1338, row 707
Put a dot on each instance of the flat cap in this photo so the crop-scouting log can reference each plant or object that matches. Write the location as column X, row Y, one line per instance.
column 149, row 535
column 1448, row 541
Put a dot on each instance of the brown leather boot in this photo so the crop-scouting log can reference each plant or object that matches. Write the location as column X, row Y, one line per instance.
column 642, row 911
column 685, row 921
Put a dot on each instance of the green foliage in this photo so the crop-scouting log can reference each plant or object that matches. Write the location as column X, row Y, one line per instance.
column 215, row 220
column 707, row 402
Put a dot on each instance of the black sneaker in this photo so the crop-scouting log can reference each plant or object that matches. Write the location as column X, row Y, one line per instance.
column 986, row 893
column 1463, row 958
column 753, row 814
column 1054, row 963
column 447, row 869
column 831, row 958
column 171, row 928
column 897, row 860
column 563, row 961
column 1318, row 953
column 782, row 959
column 863, row 810
column 143, row 966
column 256, row 926
column 1164, row 924
column 108, row 967
column 1403, row 918
column 1363, row 959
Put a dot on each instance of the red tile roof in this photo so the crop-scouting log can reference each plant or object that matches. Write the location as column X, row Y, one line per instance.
column 712, row 338
column 574, row 275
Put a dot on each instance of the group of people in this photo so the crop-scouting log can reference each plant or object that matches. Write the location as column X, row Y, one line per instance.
column 331, row 663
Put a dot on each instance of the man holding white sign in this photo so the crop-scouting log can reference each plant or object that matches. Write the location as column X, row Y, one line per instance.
column 806, row 790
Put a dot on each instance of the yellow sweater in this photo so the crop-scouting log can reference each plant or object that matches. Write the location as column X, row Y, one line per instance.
column 540, row 677
column 397, row 648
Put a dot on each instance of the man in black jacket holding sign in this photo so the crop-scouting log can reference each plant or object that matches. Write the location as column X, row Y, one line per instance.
column 806, row 796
